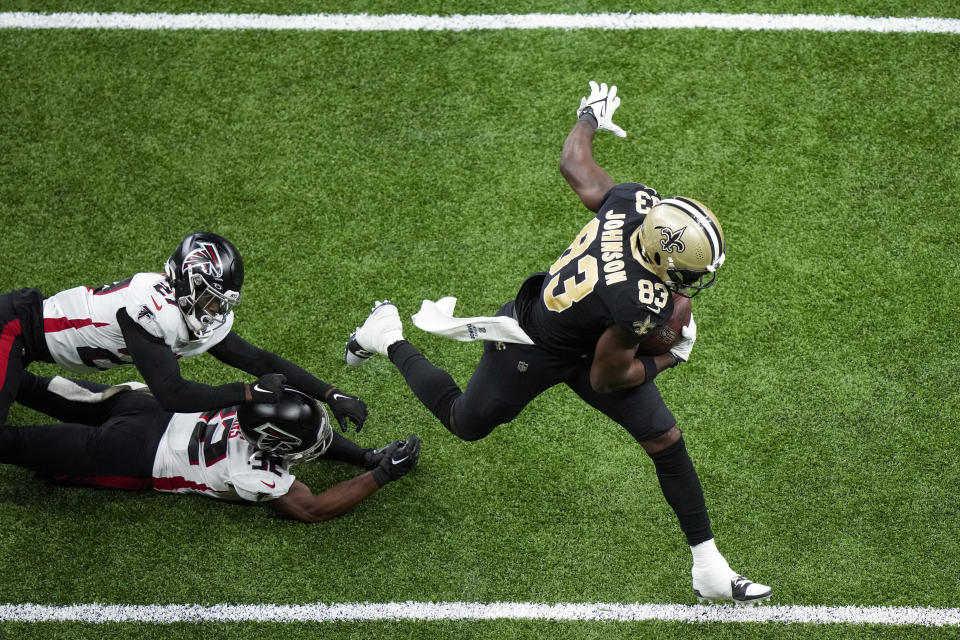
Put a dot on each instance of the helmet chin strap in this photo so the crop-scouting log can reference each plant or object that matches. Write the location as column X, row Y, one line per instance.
column 194, row 325
column 650, row 265
column 191, row 304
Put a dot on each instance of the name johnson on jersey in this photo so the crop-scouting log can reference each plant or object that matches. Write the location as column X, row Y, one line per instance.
column 598, row 281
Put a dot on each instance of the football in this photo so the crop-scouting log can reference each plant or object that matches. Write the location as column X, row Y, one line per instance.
column 662, row 338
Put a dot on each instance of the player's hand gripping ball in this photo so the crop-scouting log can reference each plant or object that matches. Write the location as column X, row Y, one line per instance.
column 662, row 339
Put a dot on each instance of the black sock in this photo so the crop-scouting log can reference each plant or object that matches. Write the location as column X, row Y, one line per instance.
column 345, row 450
column 681, row 488
column 433, row 386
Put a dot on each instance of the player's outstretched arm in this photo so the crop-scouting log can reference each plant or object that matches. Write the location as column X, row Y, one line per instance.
column 237, row 352
column 582, row 173
column 300, row 504
column 161, row 371
column 396, row 460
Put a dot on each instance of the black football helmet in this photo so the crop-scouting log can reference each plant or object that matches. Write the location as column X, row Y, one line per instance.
column 206, row 273
column 295, row 428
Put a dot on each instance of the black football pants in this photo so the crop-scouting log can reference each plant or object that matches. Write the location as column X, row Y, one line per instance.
column 13, row 353
column 21, row 341
column 509, row 376
column 111, row 443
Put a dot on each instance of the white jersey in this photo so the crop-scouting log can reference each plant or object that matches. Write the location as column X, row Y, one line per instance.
column 81, row 330
column 206, row 453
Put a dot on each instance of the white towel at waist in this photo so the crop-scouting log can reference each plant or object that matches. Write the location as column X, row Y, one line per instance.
column 437, row 318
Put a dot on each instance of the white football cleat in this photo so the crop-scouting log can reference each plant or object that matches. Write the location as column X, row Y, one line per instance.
column 723, row 584
column 380, row 330
column 354, row 354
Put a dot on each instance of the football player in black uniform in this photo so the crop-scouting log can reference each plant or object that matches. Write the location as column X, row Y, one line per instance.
column 120, row 437
column 585, row 316
column 150, row 320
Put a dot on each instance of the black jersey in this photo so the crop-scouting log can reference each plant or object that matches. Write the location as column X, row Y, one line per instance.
column 598, row 281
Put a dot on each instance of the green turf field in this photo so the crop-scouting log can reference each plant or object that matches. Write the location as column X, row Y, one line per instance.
column 820, row 405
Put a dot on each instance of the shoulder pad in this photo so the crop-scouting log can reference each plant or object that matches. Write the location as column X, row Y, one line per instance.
column 150, row 303
column 261, row 486
column 633, row 196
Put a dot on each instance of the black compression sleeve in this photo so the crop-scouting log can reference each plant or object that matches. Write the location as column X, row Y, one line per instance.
column 161, row 371
column 345, row 450
column 237, row 352
column 433, row 386
column 681, row 487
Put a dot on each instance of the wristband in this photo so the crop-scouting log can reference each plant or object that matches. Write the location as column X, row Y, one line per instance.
column 649, row 368
column 324, row 390
column 587, row 114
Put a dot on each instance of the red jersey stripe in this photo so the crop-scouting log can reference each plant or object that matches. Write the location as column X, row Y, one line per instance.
column 179, row 482
column 52, row 325
column 8, row 334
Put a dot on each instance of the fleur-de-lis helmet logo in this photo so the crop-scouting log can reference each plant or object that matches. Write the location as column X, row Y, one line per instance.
column 671, row 239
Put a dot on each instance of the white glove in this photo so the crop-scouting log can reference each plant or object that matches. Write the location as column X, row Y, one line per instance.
column 688, row 335
column 603, row 103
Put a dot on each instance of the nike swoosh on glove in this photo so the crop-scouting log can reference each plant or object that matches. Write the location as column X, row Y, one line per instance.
column 602, row 102
column 346, row 408
column 400, row 457
column 267, row 388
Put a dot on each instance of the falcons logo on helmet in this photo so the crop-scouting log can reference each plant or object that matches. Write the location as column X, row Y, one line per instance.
column 206, row 259
column 274, row 439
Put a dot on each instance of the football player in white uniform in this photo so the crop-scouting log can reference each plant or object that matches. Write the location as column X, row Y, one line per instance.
column 150, row 320
column 122, row 438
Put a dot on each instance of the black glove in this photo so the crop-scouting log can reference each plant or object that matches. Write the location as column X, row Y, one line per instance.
column 267, row 388
column 398, row 458
column 346, row 407
column 372, row 458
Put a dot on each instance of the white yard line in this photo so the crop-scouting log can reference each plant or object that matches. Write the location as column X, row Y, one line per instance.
column 422, row 611
column 405, row 22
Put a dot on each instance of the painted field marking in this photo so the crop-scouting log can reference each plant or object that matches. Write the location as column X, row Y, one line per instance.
column 422, row 611
column 407, row 22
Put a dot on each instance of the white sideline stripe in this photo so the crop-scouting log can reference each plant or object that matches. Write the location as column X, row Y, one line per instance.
column 406, row 22
column 421, row 611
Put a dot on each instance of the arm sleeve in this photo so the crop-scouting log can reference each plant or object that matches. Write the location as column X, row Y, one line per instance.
column 237, row 352
column 161, row 371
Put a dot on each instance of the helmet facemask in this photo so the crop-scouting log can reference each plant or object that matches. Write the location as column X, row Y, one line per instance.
column 690, row 282
column 318, row 448
column 205, row 308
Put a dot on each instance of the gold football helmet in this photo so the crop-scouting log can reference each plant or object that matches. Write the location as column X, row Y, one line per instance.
column 681, row 242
